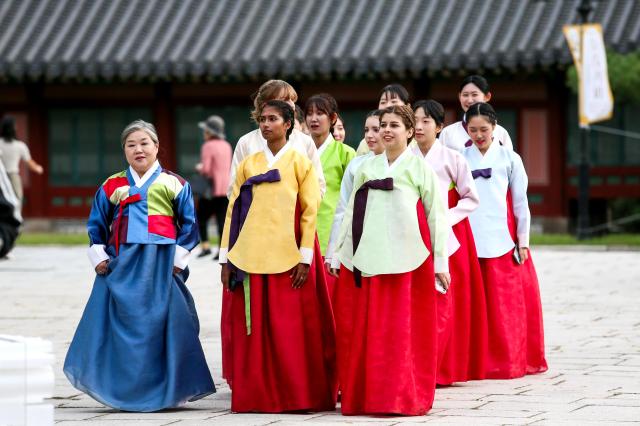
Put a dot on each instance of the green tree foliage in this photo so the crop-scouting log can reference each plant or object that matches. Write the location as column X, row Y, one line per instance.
column 624, row 76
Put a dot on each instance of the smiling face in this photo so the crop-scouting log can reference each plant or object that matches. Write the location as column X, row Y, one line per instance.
column 318, row 123
column 426, row 127
column 140, row 151
column 272, row 125
column 372, row 135
column 338, row 131
column 470, row 95
column 480, row 131
column 394, row 132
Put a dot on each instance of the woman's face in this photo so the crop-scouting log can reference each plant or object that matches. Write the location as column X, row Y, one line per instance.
column 394, row 133
column 272, row 125
column 470, row 95
column 338, row 131
column 480, row 131
column 372, row 135
column 426, row 127
column 318, row 122
column 389, row 99
column 140, row 151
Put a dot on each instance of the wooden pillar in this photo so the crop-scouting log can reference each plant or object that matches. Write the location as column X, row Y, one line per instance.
column 37, row 191
column 164, row 120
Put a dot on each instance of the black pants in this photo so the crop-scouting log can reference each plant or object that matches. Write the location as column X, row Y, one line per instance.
column 206, row 208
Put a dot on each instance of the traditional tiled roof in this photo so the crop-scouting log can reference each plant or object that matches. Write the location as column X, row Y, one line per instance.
column 185, row 40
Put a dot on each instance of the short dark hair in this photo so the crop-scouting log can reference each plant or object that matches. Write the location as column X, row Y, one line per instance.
column 299, row 114
column 374, row 113
column 8, row 128
column 482, row 109
column 431, row 109
column 477, row 80
column 395, row 89
column 285, row 111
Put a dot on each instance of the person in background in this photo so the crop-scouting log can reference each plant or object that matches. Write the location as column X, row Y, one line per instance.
column 474, row 88
column 321, row 112
column 215, row 164
column 338, row 131
column 301, row 124
column 462, row 312
column 10, row 218
column 136, row 347
column 13, row 151
column 390, row 95
column 501, row 226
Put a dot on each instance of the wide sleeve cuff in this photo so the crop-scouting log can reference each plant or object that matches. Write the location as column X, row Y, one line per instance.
column 335, row 262
column 222, row 255
column 307, row 255
column 441, row 264
column 523, row 240
column 97, row 254
column 181, row 258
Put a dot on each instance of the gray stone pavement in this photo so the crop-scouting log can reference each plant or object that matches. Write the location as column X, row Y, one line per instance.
column 592, row 324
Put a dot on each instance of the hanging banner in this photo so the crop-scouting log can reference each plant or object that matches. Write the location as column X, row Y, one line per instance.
column 595, row 99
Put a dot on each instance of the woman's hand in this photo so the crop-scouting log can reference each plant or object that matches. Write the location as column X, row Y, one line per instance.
column 176, row 270
column 524, row 254
column 444, row 278
column 331, row 271
column 225, row 274
column 299, row 275
column 102, row 267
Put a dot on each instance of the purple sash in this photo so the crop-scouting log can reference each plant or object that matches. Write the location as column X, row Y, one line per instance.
column 239, row 214
column 485, row 173
column 359, row 208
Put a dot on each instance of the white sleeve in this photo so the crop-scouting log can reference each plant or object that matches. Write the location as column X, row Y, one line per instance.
column 346, row 187
column 312, row 153
column 97, row 254
column 466, row 187
column 181, row 257
column 518, row 183
column 239, row 153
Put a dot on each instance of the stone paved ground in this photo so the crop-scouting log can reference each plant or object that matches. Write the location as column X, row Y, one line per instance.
column 592, row 323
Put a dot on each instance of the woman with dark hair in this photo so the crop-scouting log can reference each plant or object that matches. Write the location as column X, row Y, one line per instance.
column 338, row 130
column 136, row 347
column 321, row 113
column 392, row 248
column 281, row 323
column 12, row 151
column 390, row 95
column 474, row 88
column 501, row 231
column 462, row 314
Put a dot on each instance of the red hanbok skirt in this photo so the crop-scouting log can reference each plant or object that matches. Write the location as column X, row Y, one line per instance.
column 463, row 341
column 514, row 311
column 287, row 364
column 387, row 340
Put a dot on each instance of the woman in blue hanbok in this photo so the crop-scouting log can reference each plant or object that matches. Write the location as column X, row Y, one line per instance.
column 136, row 347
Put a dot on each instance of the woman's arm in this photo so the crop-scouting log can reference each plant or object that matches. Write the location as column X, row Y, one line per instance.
column 437, row 219
column 98, row 224
column 466, row 187
column 35, row 167
column 518, row 183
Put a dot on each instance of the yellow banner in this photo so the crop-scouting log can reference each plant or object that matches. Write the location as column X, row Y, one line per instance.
column 595, row 100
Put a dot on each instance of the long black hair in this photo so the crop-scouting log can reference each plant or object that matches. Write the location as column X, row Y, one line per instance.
column 8, row 128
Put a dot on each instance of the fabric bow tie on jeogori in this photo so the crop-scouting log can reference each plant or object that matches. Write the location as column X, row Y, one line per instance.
column 485, row 173
column 359, row 207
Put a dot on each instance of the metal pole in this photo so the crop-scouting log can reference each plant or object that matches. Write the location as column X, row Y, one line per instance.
column 583, row 168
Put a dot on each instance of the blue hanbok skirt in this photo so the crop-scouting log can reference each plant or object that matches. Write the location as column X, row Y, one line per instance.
column 136, row 347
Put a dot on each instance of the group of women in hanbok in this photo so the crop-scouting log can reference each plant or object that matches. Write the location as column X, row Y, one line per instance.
column 369, row 279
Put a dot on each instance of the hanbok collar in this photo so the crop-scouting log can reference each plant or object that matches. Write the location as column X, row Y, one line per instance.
column 407, row 152
column 140, row 181
column 325, row 144
column 271, row 159
column 431, row 153
column 488, row 155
